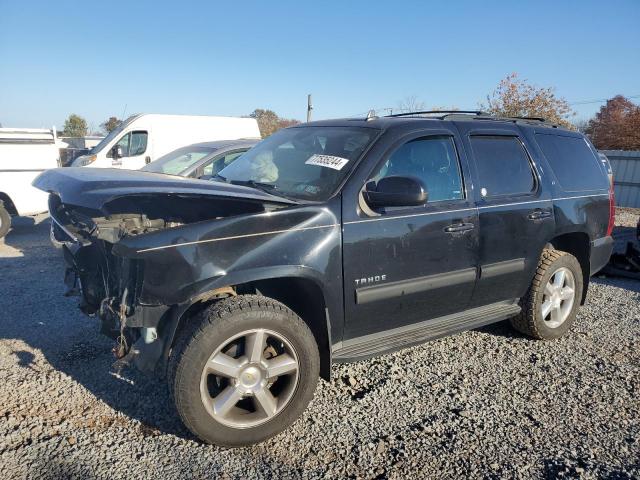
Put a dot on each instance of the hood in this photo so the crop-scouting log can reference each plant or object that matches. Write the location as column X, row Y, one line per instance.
column 93, row 188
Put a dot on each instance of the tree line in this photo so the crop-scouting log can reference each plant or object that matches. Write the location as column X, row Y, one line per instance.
column 616, row 126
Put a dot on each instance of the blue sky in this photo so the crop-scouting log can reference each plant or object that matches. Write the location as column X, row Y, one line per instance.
column 227, row 58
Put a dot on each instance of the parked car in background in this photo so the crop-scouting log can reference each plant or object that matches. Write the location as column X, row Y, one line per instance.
column 24, row 154
column 143, row 138
column 200, row 159
column 332, row 241
column 77, row 146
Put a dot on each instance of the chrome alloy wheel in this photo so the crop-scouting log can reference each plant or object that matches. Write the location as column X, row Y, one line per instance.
column 250, row 378
column 559, row 295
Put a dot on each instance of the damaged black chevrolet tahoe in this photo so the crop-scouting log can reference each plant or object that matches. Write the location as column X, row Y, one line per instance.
column 328, row 242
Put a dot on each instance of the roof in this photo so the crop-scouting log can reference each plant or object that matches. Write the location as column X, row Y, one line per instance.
column 218, row 144
column 431, row 118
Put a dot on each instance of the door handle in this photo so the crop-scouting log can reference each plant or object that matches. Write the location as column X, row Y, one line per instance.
column 539, row 214
column 459, row 227
column 147, row 160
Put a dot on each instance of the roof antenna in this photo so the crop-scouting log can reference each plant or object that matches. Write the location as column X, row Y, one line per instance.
column 371, row 115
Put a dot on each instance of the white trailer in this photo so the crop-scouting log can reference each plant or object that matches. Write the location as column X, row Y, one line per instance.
column 143, row 138
column 24, row 154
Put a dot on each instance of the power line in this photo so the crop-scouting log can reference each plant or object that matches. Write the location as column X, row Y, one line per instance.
column 578, row 102
column 602, row 100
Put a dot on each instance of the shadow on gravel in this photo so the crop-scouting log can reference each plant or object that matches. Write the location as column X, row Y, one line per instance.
column 33, row 310
column 501, row 329
column 504, row 329
column 619, row 282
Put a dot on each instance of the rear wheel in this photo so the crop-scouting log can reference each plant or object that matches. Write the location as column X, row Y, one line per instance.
column 5, row 220
column 243, row 371
column 552, row 301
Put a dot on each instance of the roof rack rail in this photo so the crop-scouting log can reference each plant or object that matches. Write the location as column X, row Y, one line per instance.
column 446, row 112
column 538, row 119
column 521, row 119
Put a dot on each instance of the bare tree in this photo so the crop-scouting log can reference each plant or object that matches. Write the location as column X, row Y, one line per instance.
column 411, row 104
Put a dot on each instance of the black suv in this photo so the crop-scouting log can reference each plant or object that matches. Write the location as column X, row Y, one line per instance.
column 328, row 242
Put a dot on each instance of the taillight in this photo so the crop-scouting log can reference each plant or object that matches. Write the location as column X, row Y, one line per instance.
column 612, row 209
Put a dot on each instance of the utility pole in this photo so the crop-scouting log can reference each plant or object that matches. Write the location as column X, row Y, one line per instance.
column 309, row 107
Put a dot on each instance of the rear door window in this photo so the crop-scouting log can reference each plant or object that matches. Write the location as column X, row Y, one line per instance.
column 573, row 162
column 503, row 166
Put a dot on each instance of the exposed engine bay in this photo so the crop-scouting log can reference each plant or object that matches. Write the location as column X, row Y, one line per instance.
column 110, row 285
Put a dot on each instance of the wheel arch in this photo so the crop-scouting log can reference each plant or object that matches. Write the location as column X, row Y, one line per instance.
column 8, row 204
column 577, row 244
column 301, row 294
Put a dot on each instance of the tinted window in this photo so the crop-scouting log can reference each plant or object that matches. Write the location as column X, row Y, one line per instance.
column 503, row 166
column 433, row 160
column 573, row 162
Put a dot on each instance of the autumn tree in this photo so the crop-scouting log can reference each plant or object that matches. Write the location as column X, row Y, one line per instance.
column 269, row 122
column 111, row 124
column 75, row 126
column 515, row 97
column 616, row 126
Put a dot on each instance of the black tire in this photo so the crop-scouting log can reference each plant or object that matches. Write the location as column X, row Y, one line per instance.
column 5, row 220
column 209, row 330
column 530, row 321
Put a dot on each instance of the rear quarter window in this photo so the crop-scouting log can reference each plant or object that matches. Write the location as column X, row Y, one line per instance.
column 573, row 162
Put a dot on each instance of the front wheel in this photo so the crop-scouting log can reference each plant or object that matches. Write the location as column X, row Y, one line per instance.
column 552, row 301
column 5, row 220
column 243, row 371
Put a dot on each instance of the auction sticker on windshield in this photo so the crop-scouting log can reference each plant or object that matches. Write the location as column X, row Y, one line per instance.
column 327, row 161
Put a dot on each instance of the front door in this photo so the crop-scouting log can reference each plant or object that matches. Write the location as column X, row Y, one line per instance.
column 406, row 265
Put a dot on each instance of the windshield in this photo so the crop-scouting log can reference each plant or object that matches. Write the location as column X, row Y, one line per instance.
column 303, row 162
column 176, row 162
column 112, row 134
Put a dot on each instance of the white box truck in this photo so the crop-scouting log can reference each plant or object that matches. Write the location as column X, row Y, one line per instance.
column 145, row 137
column 24, row 154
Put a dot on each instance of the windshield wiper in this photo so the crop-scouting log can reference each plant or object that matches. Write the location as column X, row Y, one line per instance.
column 269, row 188
column 266, row 187
column 217, row 176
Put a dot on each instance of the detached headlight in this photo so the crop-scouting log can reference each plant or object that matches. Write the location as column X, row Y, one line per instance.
column 84, row 160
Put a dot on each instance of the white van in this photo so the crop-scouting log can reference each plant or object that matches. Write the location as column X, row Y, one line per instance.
column 145, row 137
column 24, row 154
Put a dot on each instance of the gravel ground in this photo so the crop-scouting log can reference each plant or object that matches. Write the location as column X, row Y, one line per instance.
column 487, row 403
column 627, row 217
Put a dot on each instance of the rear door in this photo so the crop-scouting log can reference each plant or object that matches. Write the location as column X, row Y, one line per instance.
column 403, row 265
column 515, row 211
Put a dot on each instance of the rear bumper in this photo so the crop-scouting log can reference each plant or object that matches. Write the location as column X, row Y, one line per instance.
column 601, row 249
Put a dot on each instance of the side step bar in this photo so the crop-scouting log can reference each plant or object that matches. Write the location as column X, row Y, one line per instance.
column 390, row 340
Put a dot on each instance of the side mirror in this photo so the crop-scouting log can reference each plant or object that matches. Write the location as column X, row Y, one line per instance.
column 396, row 191
column 116, row 152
